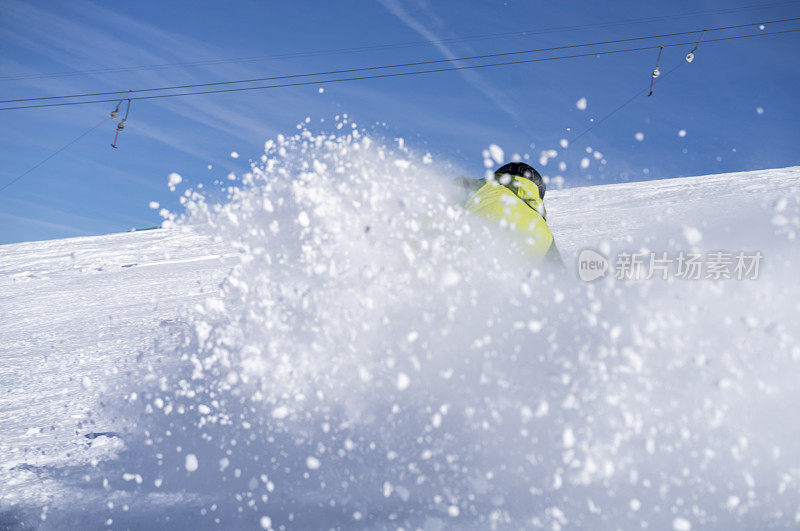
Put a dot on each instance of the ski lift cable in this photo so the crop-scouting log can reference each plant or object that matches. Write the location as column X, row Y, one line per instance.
column 395, row 74
column 690, row 55
column 113, row 114
column 399, row 65
column 689, row 58
column 53, row 154
column 698, row 42
column 379, row 47
column 584, row 132
column 656, row 71
column 622, row 106
column 121, row 124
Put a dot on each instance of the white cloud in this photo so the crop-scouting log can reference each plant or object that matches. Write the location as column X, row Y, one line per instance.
column 473, row 78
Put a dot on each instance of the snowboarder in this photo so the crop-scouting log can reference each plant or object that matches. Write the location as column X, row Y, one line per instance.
column 515, row 193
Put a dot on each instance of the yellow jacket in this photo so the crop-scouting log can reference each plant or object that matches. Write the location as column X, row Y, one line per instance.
column 517, row 206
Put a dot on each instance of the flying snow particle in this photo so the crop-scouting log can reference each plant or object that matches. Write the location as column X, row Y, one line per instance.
column 635, row 504
column 214, row 305
column 542, row 409
column 497, row 153
column 312, row 462
column 733, row 502
column 191, row 462
column 639, row 136
column 319, row 167
column 321, row 90
column 546, row 155
column 280, row 412
column 86, row 382
column 568, row 438
column 173, row 180
column 451, row 278
column 403, row 381
column 681, row 524
column 584, row 163
column 402, row 492
column 564, row 143
column 203, row 330
column 779, row 220
column 154, row 205
column 133, row 477
column 266, row 522
column 760, row 110
column 682, row 133
column 234, row 155
column 692, row 235
column 302, row 219
column 581, row 104
column 453, row 511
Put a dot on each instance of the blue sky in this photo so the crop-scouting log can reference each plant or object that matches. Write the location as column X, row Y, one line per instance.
column 93, row 189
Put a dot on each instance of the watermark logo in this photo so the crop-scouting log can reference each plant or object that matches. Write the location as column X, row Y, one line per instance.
column 717, row 265
column 592, row 265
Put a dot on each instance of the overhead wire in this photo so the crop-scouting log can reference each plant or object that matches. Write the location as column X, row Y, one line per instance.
column 53, row 154
column 505, row 35
column 398, row 65
column 397, row 74
column 623, row 105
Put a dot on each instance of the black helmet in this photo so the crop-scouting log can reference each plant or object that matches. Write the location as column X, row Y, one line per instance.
column 520, row 169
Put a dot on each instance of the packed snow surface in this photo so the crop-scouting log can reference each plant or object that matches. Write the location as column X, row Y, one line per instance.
column 338, row 344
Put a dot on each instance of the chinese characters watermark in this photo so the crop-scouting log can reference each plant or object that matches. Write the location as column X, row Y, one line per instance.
column 686, row 265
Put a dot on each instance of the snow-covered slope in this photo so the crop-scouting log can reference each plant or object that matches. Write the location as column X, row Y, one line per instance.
column 335, row 350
